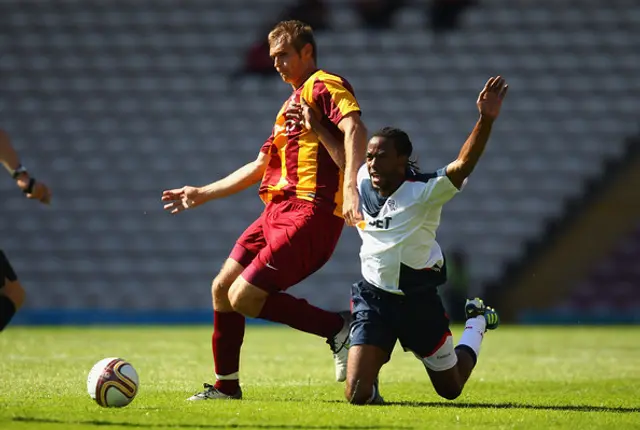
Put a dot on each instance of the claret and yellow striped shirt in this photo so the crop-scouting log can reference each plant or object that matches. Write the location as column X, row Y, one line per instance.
column 300, row 166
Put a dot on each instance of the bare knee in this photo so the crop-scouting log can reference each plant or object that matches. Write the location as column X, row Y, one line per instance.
column 236, row 298
column 448, row 383
column 220, row 286
column 246, row 299
column 220, row 289
column 358, row 393
column 449, row 392
column 14, row 291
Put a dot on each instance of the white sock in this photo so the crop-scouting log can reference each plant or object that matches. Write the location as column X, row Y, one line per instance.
column 229, row 377
column 473, row 333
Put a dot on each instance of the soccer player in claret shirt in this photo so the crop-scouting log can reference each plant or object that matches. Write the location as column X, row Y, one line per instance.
column 401, row 262
column 308, row 199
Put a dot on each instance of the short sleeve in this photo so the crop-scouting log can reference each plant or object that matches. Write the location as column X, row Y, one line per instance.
column 335, row 98
column 439, row 189
column 267, row 147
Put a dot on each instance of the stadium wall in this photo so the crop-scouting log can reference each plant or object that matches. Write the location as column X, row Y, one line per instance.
column 117, row 317
column 592, row 228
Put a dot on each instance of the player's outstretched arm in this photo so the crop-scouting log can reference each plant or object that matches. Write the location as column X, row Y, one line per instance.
column 11, row 161
column 188, row 197
column 303, row 113
column 489, row 103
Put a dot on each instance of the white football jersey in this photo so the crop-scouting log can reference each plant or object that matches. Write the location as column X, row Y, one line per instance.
column 399, row 232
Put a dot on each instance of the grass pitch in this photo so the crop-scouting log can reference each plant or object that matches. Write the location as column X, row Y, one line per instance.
column 527, row 377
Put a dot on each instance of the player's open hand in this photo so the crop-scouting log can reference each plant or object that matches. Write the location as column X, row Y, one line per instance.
column 34, row 189
column 180, row 199
column 490, row 98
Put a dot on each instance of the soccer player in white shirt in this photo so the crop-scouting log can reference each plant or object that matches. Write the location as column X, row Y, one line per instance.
column 402, row 264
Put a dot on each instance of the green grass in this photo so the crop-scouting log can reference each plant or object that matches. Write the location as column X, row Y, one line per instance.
column 527, row 377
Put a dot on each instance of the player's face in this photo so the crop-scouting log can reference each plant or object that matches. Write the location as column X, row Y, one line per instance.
column 287, row 61
column 385, row 166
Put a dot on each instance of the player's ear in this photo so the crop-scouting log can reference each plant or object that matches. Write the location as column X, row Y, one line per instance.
column 307, row 52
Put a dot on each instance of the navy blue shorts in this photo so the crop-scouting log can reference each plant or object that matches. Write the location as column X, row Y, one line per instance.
column 418, row 319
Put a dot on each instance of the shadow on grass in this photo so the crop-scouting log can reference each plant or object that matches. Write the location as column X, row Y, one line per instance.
column 568, row 408
column 101, row 423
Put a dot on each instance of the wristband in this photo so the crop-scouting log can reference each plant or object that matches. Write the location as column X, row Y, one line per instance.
column 19, row 171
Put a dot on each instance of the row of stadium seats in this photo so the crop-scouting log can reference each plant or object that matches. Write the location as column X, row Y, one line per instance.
column 613, row 283
column 577, row 42
column 71, row 94
column 112, row 104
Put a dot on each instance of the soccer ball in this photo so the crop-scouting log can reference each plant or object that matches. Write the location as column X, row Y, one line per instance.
column 112, row 382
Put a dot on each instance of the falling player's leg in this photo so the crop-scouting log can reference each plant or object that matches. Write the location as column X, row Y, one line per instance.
column 423, row 329
column 11, row 292
column 450, row 382
column 299, row 240
column 372, row 340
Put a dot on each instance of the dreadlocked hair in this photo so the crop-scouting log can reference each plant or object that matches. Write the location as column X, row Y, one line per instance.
column 402, row 143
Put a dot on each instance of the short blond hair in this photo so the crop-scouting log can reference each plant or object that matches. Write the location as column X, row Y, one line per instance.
column 297, row 33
